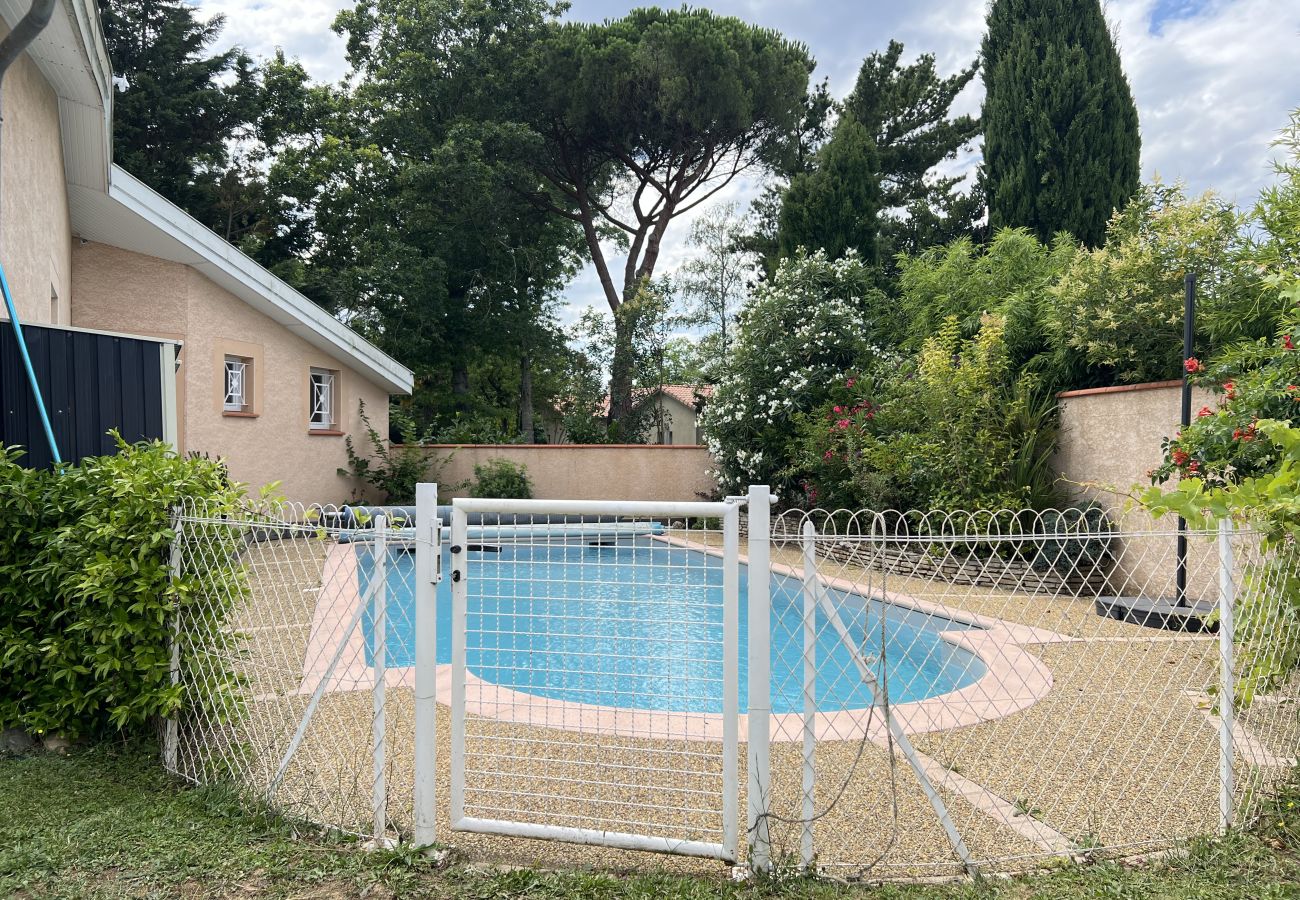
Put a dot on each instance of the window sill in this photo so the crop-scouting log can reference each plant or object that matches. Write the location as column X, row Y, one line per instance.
column 325, row 432
column 231, row 414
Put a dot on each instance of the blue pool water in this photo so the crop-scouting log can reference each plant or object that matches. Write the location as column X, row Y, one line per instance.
column 639, row 625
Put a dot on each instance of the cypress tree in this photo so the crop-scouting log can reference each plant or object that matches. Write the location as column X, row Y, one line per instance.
column 836, row 206
column 1061, row 142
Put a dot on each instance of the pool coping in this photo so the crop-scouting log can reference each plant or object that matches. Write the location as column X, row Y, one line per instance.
column 1014, row 678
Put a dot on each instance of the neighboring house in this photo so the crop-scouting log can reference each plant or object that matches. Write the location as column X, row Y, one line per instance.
column 676, row 419
column 266, row 379
column 678, row 412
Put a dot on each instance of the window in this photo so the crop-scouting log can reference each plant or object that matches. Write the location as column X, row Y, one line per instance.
column 324, row 399
column 239, row 376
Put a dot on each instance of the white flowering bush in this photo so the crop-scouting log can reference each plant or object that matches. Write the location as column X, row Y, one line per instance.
column 798, row 333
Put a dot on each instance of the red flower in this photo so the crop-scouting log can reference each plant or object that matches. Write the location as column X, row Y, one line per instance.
column 1194, row 468
column 829, row 454
column 1179, row 457
column 1230, row 389
column 842, row 424
column 1193, row 365
column 1205, row 411
column 1286, row 342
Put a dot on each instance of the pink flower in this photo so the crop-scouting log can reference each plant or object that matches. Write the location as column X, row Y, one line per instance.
column 839, row 410
column 1192, row 365
column 829, row 454
column 1205, row 411
column 842, row 424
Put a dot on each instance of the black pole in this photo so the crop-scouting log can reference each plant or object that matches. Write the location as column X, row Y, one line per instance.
column 1189, row 316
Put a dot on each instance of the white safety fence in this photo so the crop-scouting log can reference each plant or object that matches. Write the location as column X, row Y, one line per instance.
column 883, row 695
column 298, row 623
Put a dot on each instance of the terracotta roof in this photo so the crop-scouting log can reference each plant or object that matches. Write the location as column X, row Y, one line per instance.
column 682, row 393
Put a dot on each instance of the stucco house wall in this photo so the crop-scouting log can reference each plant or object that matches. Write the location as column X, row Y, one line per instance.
column 118, row 290
column 678, row 422
column 35, row 241
column 1110, row 438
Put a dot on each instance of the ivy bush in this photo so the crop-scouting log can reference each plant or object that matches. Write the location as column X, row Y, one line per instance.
column 87, row 601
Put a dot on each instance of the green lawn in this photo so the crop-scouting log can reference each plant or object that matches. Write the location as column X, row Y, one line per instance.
column 108, row 823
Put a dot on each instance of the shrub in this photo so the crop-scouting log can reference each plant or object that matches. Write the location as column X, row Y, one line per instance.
column 87, row 598
column 953, row 428
column 1121, row 305
column 1010, row 278
column 1258, row 380
column 798, row 333
column 1267, row 611
column 501, row 478
column 393, row 471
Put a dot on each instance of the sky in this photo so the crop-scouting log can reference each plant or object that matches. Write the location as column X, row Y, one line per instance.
column 1214, row 80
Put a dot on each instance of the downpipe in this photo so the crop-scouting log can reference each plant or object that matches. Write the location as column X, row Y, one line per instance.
column 28, row 27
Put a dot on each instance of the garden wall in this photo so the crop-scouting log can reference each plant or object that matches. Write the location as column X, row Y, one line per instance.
column 589, row 471
column 1110, row 438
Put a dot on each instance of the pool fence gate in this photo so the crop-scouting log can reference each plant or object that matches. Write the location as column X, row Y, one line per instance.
column 881, row 695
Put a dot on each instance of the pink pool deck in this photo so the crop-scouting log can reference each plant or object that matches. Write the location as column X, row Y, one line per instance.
column 1013, row 680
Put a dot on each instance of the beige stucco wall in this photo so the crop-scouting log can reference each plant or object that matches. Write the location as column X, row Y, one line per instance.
column 588, row 471
column 1110, row 439
column 35, row 235
column 117, row 290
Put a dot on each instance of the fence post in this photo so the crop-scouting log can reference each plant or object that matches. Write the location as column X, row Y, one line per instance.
column 428, row 533
column 1227, row 674
column 171, row 730
column 379, row 799
column 809, row 690
column 459, row 617
column 730, row 678
column 760, row 678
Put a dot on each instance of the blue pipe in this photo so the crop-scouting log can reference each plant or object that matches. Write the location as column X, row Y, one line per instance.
column 27, row 364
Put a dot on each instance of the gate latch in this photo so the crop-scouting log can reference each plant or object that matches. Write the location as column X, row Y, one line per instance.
column 435, row 545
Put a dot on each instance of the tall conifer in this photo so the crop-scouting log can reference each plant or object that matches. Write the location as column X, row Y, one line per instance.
column 1061, row 142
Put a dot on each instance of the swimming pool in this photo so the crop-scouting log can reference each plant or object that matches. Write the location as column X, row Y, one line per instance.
column 638, row 624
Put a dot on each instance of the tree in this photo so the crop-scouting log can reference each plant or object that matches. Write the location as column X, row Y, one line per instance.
column 641, row 119
column 906, row 110
column 175, row 107
column 836, row 206
column 420, row 192
column 712, row 283
column 1061, row 143
column 201, row 128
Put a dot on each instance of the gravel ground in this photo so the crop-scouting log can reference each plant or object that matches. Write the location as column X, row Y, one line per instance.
column 1117, row 754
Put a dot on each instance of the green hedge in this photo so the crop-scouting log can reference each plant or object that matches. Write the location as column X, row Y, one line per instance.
column 87, row 602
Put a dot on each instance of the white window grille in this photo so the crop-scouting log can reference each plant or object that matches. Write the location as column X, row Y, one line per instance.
column 323, row 383
column 237, row 374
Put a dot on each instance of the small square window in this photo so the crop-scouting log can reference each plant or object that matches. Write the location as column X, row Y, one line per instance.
column 239, row 384
column 324, row 399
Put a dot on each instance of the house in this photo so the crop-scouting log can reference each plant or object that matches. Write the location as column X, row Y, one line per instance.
column 264, row 378
column 675, row 420
column 678, row 412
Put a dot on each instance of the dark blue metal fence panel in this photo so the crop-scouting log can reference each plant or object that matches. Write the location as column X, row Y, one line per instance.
column 91, row 382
